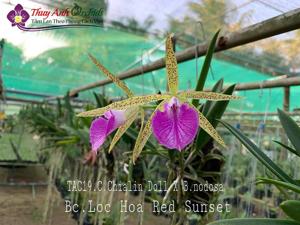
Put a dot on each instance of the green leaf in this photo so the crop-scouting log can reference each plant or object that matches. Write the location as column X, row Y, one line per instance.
column 45, row 121
column 258, row 153
column 291, row 208
column 288, row 148
column 68, row 102
column 206, row 65
column 100, row 100
column 69, row 109
column 59, row 108
column 215, row 112
column 289, row 186
column 254, row 221
column 67, row 142
column 216, row 88
column 132, row 133
column 291, row 129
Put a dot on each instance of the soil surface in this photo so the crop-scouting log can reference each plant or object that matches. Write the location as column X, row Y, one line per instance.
column 22, row 205
column 18, row 207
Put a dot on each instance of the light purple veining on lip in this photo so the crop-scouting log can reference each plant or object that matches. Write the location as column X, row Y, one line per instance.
column 176, row 126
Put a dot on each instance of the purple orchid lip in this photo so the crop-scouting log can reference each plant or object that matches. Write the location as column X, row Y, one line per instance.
column 18, row 16
column 104, row 126
column 177, row 126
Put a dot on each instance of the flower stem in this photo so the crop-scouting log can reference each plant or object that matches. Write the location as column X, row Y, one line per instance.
column 180, row 214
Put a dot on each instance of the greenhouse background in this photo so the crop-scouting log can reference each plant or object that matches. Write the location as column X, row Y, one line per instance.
column 133, row 47
column 47, row 77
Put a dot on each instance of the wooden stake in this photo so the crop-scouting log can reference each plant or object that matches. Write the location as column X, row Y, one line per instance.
column 286, row 100
column 1, row 81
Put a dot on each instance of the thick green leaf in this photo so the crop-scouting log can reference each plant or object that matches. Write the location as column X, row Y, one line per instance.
column 206, row 65
column 215, row 112
column 216, row 88
column 254, row 221
column 288, row 148
column 292, row 209
column 59, row 108
column 45, row 121
column 289, row 186
column 67, row 142
column 100, row 100
column 68, row 102
column 291, row 129
column 258, row 153
column 69, row 109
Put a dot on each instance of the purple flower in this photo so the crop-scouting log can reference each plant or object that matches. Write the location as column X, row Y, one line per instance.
column 18, row 16
column 104, row 126
column 176, row 126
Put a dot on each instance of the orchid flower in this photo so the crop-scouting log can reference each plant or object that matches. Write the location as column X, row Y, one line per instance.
column 112, row 119
column 104, row 126
column 175, row 120
column 176, row 126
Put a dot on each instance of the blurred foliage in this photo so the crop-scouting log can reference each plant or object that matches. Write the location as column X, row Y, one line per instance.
column 130, row 24
column 284, row 182
column 205, row 17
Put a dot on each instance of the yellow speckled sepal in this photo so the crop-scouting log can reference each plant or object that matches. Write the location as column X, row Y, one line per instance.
column 171, row 66
column 113, row 78
column 144, row 135
column 124, row 104
column 212, row 96
column 122, row 129
column 206, row 125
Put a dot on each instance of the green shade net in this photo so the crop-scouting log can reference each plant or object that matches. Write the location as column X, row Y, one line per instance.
column 56, row 71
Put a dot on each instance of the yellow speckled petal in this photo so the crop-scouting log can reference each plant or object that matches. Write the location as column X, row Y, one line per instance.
column 144, row 134
column 171, row 66
column 142, row 115
column 124, row 104
column 212, row 96
column 113, row 78
column 206, row 125
column 122, row 129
